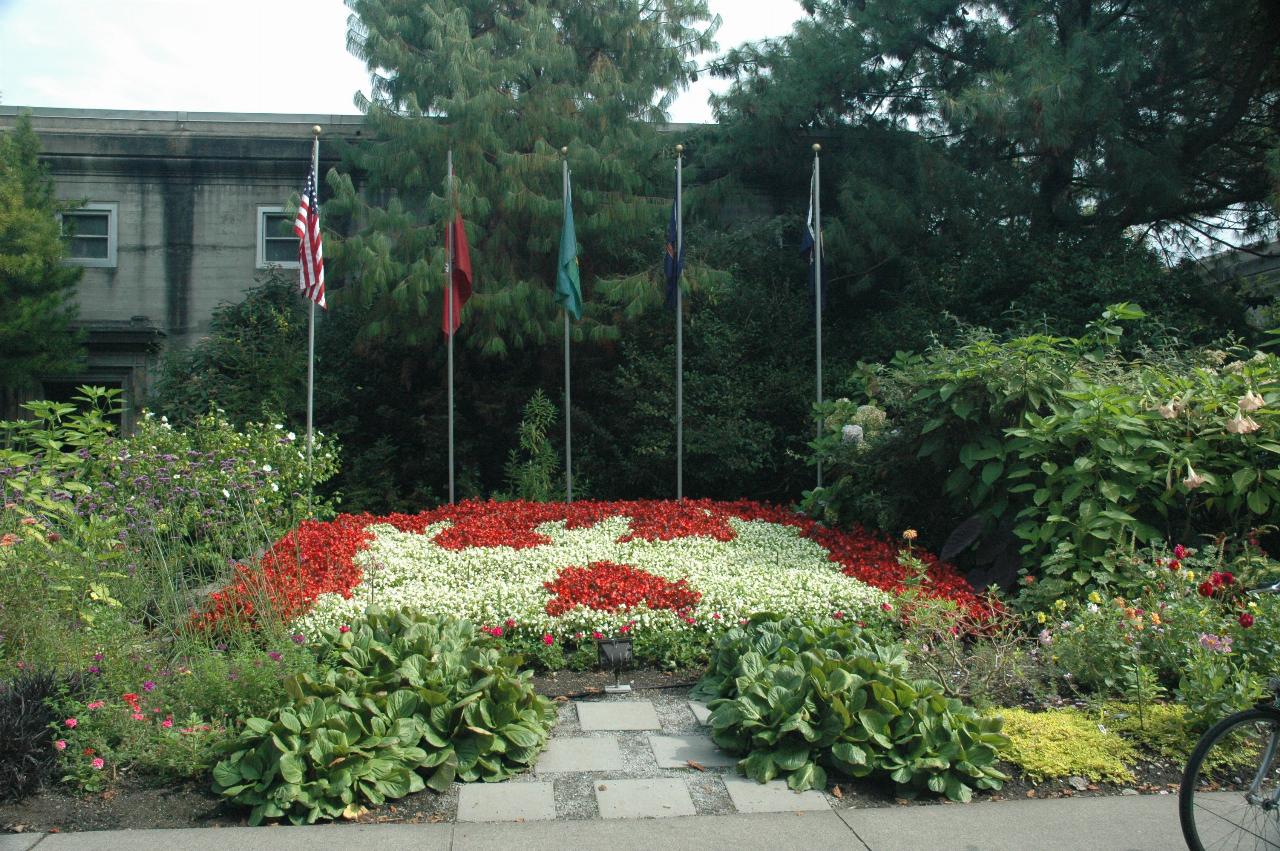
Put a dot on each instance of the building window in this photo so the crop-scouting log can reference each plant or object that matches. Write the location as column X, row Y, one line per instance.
column 90, row 234
column 277, row 243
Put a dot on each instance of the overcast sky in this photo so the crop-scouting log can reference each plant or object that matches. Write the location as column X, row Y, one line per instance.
column 236, row 55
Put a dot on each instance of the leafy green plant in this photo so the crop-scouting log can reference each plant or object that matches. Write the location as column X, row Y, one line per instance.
column 1055, row 452
column 801, row 714
column 1065, row 742
column 409, row 702
column 531, row 470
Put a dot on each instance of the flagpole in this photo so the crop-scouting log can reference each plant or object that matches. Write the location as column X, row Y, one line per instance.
column 449, row 298
column 311, row 334
column 679, row 328
column 817, row 281
column 568, row 456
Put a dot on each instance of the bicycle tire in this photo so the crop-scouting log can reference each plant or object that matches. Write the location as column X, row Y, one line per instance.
column 1211, row 798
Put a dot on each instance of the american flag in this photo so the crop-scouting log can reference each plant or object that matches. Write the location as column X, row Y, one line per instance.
column 310, row 242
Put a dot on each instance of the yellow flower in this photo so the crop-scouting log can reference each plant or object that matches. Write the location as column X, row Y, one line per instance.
column 910, row 535
column 1060, row 605
column 1253, row 605
column 1095, row 597
column 1155, row 619
column 1040, row 617
column 1190, row 575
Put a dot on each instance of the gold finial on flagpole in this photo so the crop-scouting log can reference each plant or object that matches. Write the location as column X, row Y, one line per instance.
column 679, row 150
column 564, row 152
column 315, row 129
column 816, row 147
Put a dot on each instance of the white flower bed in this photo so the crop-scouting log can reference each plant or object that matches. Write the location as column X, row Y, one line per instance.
column 766, row 568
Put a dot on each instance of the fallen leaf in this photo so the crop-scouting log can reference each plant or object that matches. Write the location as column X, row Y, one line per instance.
column 1031, row 793
column 692, row 764
column 602, row 787
column 436, row 819
column 837, row 792
column 560, row 698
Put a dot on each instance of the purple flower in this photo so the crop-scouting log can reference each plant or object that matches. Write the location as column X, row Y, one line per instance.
column 298, row 638
column 275, row 657
column 97, row 657
column 148, row 686
column 94, row 669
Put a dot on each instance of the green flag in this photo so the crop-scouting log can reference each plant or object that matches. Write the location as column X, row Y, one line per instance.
column 568, row 287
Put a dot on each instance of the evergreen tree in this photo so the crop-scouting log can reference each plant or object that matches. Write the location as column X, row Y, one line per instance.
column 1071, row 114
column 978, row 154
column 36, row 289
column 504, row 86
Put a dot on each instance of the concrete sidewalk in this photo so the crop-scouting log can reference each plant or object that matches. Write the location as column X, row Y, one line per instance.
column 1127, row 823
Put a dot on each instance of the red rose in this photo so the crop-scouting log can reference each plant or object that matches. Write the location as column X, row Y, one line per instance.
column 1206, row 589
column 1246, row 620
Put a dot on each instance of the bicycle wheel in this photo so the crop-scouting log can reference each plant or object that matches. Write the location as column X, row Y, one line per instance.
column 1231, row 786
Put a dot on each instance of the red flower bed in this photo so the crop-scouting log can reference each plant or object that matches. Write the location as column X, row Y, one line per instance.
column 318, row 557
column 608, row 587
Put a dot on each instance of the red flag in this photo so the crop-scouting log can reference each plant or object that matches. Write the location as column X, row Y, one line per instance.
column 459, row 290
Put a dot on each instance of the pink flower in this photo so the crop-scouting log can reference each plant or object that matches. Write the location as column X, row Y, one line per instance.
column 97, row 704
column 838, row 616
column 61, row 744
column 886, row 607
column 511, row 623
column 149, row 686
column 548, row 639
column 97, row 763
column 597, row 635
column 138, row 716
column 715, row 616
column 167, row 722
column 274, row 656
column 1179, row 552
column 344, row 628
column 71, row 723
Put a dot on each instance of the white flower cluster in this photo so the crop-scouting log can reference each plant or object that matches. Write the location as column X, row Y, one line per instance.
column 766, row 568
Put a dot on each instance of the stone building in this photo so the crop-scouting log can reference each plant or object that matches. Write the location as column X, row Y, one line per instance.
column 182, row 210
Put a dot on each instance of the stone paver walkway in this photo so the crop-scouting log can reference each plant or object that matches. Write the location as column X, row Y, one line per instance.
column 623, row 757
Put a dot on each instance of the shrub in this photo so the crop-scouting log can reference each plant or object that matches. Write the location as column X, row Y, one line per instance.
column 1062, row 743
column 27, row 752
column 410, row 701
column 1065, row 448
column 842, row 706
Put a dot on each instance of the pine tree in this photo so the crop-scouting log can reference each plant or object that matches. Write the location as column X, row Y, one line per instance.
column 36, row 289
column 504, row 86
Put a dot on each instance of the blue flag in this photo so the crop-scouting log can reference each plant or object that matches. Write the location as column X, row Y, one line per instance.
column 672, row 265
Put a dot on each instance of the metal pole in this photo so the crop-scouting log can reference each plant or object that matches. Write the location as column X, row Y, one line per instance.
column 448, row 289
column 817, row 280
column 568, row 455
column 679, row 328
column 311, row 333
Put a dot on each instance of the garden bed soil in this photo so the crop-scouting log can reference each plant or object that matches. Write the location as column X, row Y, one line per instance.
column 139, row 803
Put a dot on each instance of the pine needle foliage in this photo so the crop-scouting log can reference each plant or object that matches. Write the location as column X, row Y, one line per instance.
column 505, row 86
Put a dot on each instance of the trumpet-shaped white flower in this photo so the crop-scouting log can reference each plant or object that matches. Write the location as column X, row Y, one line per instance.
column 1193, row 479
column 1242, row 425
column 1250, row 402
